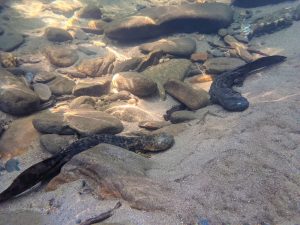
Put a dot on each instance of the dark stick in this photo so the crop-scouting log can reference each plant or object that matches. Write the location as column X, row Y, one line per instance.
column 102, row 216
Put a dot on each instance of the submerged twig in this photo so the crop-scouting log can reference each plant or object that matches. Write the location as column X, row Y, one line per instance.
column 102, row 216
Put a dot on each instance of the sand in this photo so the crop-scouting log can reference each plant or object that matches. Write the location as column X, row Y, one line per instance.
column 237, row 168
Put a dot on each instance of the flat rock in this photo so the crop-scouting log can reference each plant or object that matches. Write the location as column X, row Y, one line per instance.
column 55, row 34
column 135, row 83
column 51, row 123
column 129, row 113
column 173, row 69
column 61, row 86
column 113, row 173
column 184, row 93
column 89, row 12
column 55, row 143
column 65, row 7
column 222, row 64
column 183, row 47
column 156, row 21
column 127, row 65
column 87, row 122
column 96, row 87
column 96, row 67
column 61, row 56
column 15, row 97
column 18, row 138
column 43, row 91
column 10, row 40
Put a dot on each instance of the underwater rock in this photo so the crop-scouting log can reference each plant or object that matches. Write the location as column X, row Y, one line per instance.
column 173, row 69
column 135, row 83
column 55, row 34
column 10, row 40
column 183, row 47
column 96, row 87
column 18, row 138
column 44, row 77
column 54, row 143
column 51, row 123
column 296, row 14
column 184, row 93
column 127, row 65
column 156, row 21
column 82, row 102
column 222, row 64
column 96, row 67
column 129, row 113
column 182, row 116
column 61, row 56
column 43, row 91
column 61, row 86
column 87, row 122
column 15, row 97
column 113, row 172
column 153, row 125
column 256, row 3
column 89, row 12
column 199, row 57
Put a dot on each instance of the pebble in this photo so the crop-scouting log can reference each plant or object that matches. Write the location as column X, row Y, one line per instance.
column 12, row 165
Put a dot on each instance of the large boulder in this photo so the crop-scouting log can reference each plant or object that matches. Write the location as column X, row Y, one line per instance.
column 15, row 97
column 156, row 21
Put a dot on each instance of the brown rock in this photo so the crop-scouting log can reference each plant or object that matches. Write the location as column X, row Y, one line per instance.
column 97, row 87
column 96, row 67
column 55, row 34
column 135, row 83
column 192, row 98
column 199, row 57
column 61, row 56
column 61, row 86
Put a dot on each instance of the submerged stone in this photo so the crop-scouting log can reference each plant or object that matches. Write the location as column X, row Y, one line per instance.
column 157, row 21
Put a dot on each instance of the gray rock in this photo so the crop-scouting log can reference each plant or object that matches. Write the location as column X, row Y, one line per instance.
column 173, row 69
column 135, row 83
column 87, row 122
column 61, row 86
column 82, row 102
column 96, row 67
column 43, row 91
column 126, row 65
column 222, row 32
column 61, row 56
column 24, row 217
column 97, row 87
column 222, row 64
column 55, row 143
column 192, row 98
column 90, row 12
column 15, row 97
column 10, row 40
column 12, row 165
column 1, row 31
column 57, row 34
column 183, row 47
column 156, row 21
column 51, row 123
column 44, row 77
column 182, row 116
column 129, row 113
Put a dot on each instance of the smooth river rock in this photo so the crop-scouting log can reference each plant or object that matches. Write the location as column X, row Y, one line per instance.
column 61, row 86
column 55, row 34
column 256, row 3
column 61, row 56
column 157, row 21
column 55, row 143
column 135, row 83
column 15, row 97
column 184, row 93
column 95, row 87
column 10, row 40
column 222, row 64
